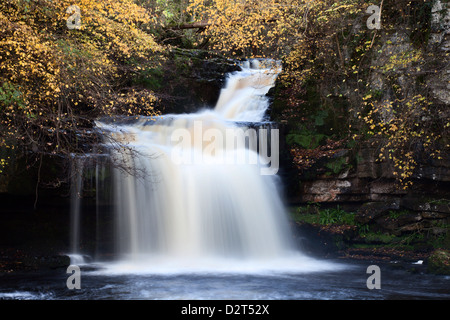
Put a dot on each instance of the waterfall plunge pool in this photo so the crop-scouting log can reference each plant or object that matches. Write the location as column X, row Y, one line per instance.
column 346, row 281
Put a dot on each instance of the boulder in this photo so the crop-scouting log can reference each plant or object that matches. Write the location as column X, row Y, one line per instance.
column 47, row 262
column 439, row 262
column 388, row 224
column 409, row 218
column 371, row 211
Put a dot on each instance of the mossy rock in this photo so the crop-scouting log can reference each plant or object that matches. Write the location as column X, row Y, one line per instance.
column 439, row 262
column 372, row 211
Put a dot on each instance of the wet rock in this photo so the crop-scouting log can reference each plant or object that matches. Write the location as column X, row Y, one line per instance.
column 434, row 173
column 418, row 204
column 369, row 167
column 441, row 207
column 46, row 262
column 389, row 224
column 323, row 240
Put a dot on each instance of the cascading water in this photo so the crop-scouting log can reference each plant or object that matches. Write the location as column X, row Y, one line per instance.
column 87, row 176
column 244, row 99
column 197, row 218
column 198, row 191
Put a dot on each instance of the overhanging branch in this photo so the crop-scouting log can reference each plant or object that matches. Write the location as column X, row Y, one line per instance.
column 193, row 25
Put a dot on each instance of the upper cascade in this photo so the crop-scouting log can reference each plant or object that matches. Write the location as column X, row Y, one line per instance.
column 244, row 96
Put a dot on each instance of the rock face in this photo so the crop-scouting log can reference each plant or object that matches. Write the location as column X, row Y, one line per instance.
column 407, row 215
column 193, row 80
column 363, row 178
column 440, row 26
column 440, row 41
column 419, row 216
column 370, row 180
column 408, row 229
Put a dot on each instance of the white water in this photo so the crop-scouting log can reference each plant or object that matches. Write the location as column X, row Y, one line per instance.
column 243, row 98
column 206, row 214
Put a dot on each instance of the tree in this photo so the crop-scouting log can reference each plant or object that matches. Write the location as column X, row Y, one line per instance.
column 55, row 79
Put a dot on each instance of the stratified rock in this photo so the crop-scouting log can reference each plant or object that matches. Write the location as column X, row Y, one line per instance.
column 326, row 190
column 388, row 224
column 418, row 204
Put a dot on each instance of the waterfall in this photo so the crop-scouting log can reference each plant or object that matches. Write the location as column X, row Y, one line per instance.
column 243, row 98
column 87, row 186
column 75, row 203
column 201, row 189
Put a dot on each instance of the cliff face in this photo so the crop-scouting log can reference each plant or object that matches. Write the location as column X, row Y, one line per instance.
column 370, row 180
column 356, row 174
column 192, row 80
column 440, row 41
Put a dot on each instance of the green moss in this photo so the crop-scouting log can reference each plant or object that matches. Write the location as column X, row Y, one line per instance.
column 395, row 214
column 305, row 218
column 314, row 215
column 11, row 95
column 366, row 246
column 305, row 139
column 439, row 202
column 150, row 78
column 379, row 237
column 439, row 262
column 338, row 165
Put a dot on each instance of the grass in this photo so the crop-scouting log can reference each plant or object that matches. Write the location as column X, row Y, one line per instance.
column 313, row 214
column 395, row 214
column 379, row 237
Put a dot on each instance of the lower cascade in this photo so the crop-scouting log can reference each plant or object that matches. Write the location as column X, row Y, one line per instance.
column 200, row 191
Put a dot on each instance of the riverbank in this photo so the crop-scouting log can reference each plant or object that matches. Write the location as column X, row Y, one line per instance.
column 367, row 234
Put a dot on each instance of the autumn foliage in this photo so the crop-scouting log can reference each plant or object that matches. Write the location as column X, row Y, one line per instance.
column 330, row 60
column 55, row 80
column 56, row 77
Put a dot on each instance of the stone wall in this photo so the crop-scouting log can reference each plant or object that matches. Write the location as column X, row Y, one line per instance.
column 371, row 180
